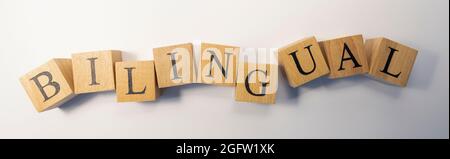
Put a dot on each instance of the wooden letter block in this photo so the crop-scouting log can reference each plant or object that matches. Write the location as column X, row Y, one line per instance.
column 136, row 81
column 49, row 85
column 345, row 56
column 390, row 61
column 174, row 65
column 303, row 61
column 257, row 83
column 94, row 71
column 218, row 64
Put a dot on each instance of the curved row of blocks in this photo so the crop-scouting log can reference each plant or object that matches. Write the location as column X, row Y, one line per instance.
column 58, row 80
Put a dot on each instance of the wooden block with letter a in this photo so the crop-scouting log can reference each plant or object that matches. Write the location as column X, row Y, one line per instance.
column 302, row 61
column 345, row 56
column 174, row 65
column 257, row 83
column 218, row 64
column 49, row 85
column 390, row 61
column 94, row 71
column 136, row 81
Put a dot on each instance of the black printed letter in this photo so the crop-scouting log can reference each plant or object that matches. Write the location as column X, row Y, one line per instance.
column 50, row 83
column 355, row 62
column 93, row 76
column 130, row 82
column 297, row 63
column 215, row 58
column 263, row 84
column 388, row 62
column 174, row 65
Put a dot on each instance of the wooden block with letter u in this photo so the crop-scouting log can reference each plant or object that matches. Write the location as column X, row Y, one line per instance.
column 345, row 56
column 218, row 64
column 257, row 83
column 94, row 71
column 174, row 65
column 49, row 85
column 303, row 61
column 136, row 81
column 390, row 61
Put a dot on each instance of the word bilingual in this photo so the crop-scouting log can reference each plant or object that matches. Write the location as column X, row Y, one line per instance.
column 59, row 80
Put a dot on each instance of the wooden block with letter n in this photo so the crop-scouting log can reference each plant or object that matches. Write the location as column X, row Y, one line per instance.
column 136, row 81
column 49, row 85
column 302, row 61
column 174, row 65
column 345, row 56
column 94, row 71
column 390, row 61
column 218, row 64
column 257, row 83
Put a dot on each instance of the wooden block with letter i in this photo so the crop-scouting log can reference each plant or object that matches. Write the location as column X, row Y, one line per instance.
column 218, row 64
column 174, row 65
column 257, row 83
column 302, row 61
column 345, row 56
column 49, row 85
column 94, row 71
column 136, row 81
column 390, row 61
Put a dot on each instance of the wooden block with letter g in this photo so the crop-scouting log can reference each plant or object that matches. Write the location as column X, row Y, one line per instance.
column 218, row 64
column 94, row 71
column 390, row 61
column 174, row 65
column 49, row 85
column 303, row 61
column 257, row 83
column 136, row 81
column 345, row 56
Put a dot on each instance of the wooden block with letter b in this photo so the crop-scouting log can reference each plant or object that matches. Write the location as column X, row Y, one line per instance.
column 49, row 85
column 303, row 61
column 345, row 56
column 94, row 71
column 174, row 65
column 136, row 81
column 218, row 64
column 257, row 83
column 390, row 61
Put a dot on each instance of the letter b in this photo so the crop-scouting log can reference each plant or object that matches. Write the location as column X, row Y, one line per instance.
column 49, row 85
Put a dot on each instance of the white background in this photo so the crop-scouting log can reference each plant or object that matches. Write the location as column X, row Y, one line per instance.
column 32, row 32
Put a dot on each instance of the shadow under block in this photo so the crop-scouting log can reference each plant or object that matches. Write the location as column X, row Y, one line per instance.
column 257, row 83
column 49, row 85
column 303, row 61
column 345, row 56
column 94, row 71
column 174, row 65
column 136, row 81
column 218, row 64
column 390, row 61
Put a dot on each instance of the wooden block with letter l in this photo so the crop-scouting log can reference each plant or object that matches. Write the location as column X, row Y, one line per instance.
column 218, row 64
column 390, row 61
column 174, row 65
column 345, row 56
column 94, row 71
column 257, row 83
column 302, row 61
column 136, row 81
column 49, row 85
